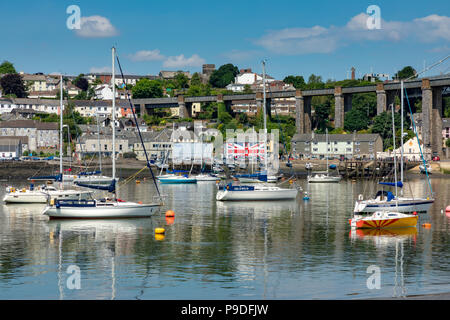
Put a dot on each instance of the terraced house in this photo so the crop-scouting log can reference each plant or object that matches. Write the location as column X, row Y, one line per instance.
column 349, row 146
column 42, row 136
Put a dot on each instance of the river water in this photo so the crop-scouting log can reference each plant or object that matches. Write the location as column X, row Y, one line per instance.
column 213, row 250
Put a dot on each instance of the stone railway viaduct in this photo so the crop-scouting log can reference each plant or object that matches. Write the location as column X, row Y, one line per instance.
column 430, row 89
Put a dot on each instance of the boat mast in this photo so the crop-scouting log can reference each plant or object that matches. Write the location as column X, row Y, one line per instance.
column 401, row 137
column 98, row 138
column 113, row 80
column 61, row 129
column 264, row 113
column 395, row 157
column 326, row 146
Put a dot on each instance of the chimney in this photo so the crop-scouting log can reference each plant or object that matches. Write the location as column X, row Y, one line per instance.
column 353, row 73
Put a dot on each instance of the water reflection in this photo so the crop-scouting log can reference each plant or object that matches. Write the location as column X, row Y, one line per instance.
column 224, row 250
column 112, row 239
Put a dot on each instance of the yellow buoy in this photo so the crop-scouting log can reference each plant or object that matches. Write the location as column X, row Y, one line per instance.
column 138, row 181
column 170, row 213
column 160, row 230
column 159, row 237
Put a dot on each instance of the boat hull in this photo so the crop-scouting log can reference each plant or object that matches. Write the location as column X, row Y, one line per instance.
column 177, row 181
column 127, row 210
column 41, row 197
column 282, row 194
column 324, row 179
column 403, row 222
column 95, row 180
column 403, row 206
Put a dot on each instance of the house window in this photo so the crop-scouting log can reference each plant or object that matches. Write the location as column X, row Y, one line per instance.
column 120, row 147
column 349, row 149
column 335, row 149
column 316, row 149
column 357, row 143
column 106, row 147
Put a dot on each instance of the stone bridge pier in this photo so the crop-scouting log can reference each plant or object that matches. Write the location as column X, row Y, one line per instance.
column 384, row 98
column 302, row 112
column 342, row 104
column 431, row 118
column 184, row 108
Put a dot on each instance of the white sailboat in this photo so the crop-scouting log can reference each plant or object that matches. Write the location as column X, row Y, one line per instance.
column 102, row 208
column 43, row 193
column 385, row 200
column 391, row 218
column 257, row 192
column 324, row 177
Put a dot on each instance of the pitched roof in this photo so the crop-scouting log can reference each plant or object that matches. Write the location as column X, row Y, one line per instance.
column 29, row 124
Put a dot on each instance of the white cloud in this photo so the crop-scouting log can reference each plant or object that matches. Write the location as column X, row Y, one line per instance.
column 181, row 61
column 147, row 55
column 96, row 27
column 319, row 39
column 100, row 70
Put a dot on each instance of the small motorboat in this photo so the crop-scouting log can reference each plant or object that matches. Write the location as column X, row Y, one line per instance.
column 176, row 179
column 323, row 178
column 42, row 194
column 256, row 192
column 384, row 219
column 206, row 177
column 424, row 169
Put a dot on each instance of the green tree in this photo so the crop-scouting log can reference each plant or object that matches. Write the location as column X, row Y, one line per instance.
column 223, row 76
column 356, row 119
column 322, row 112
column 146, row 88
column 297, row 81
column 81, row 82
column 181, row 80
column 196, row 80
column 13, row 84
column 405, row 73
column 382, row 124
column 7, row 67
column 247, row 89
column 315, row 82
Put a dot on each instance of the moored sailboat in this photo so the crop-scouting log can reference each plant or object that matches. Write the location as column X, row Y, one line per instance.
column 104, row 208
column 389, row 218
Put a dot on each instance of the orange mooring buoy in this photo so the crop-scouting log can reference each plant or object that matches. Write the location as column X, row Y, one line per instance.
column 426, row 225
column 170, row 220
column 170, row 213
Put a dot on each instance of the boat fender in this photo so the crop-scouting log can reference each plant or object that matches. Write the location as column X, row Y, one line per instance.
column 447, row 209
column 52, row 202
column 426, row 225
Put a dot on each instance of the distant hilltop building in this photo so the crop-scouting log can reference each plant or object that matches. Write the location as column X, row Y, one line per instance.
column 372, row 77
column 167, row 75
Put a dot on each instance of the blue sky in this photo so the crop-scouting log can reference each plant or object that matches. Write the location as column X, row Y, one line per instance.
column 296, row 37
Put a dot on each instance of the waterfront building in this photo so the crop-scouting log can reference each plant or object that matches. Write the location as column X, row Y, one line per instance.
column 41, row 135
column 158, row 144
column 11, row 147
column 349, row 146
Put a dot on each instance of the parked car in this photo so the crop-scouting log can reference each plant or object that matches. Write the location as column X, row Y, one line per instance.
column 436, row 158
